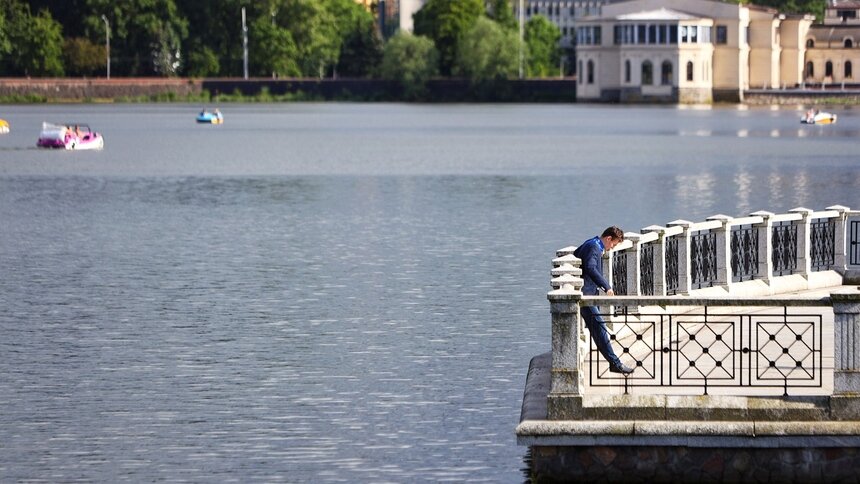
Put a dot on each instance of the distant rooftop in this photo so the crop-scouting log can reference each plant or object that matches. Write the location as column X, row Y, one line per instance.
column 659, row 14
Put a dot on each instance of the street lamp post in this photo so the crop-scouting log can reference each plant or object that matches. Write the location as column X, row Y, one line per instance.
column 245, row 43
column 107, row 44
column 522, row 32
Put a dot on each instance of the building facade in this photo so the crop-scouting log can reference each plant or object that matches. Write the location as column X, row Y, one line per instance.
column 691, row 51
column 832, row 53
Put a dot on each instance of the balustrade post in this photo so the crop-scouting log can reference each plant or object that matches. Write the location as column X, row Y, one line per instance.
column 659, row 258
column 765, row 245
column 568, row 350
column 685, row 279
column 845, row 402
column 633, row 255
column 804, row 241
column 840, row 239
column 724, row 252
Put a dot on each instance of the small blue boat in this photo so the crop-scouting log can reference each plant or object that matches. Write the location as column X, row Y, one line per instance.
column 210, row 117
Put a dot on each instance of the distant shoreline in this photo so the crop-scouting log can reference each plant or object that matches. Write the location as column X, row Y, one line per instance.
column 138, row 90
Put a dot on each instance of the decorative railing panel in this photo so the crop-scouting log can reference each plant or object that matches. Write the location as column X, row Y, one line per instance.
column 784, row 247
column 854, row 243
column 671, row 263
column 646, row 270
column 744, row 253
column 823, row 244
column 619, row 273
column 713, row 350
column 703, row 259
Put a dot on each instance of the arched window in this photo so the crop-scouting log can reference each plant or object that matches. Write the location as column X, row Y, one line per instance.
column 810, row 43
column 810, row 70
column 627, row 71
column 666, row 73
column 689, row 70
column 647, row 73
column 828, row 69
column 848, row 43
column 848, row 73
column 590, row 72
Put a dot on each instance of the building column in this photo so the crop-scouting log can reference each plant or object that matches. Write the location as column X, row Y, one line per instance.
column 724, row 251
column 765, row 245
column 845, row 401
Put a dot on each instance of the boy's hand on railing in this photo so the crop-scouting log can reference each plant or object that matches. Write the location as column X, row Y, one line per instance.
column 610, row 292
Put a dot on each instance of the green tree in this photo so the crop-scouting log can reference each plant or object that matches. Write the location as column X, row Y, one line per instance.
column 315, row 32
column 360, row 44
column 83, row 58
column 503, row 13
column 202, row 61
column 146, row 35
column 542, row 37
column 488, row 52
column 272, row 50
column 411, row 60
column 36, row 41
column 5, row 45
column 445, row 21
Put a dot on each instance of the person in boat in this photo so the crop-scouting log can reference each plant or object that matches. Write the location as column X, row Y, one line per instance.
column 217, row 113
column 591, row 253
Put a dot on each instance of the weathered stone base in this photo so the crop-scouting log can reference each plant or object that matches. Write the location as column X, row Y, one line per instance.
column 694, row 464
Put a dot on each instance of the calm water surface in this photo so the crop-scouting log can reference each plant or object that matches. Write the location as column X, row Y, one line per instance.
column 333, row 292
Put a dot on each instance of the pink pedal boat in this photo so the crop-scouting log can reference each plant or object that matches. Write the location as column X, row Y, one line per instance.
column 70, row 137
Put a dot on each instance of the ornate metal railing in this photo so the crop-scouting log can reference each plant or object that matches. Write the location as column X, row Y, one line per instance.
column 784, row 245
column 619, row 274
column 672, row 257
column 823, row 244
column 854, row 243
column 703, row 259
column 709, row 349
column 744, row 253
column 646, row 270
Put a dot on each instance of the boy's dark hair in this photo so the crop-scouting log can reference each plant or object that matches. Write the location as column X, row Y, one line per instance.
column 613, row 232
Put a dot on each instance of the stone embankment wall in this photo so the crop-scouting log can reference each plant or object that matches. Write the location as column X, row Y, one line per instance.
column 437, row 90
column 696, row 465
column 802, row 96
column 84, row 89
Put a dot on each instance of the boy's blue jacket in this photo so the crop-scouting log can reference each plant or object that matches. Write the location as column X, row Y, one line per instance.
column 591, row 254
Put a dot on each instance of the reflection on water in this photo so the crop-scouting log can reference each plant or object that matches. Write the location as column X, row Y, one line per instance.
column 332, row 292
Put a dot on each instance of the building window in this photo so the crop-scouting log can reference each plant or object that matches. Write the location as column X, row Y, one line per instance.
column 848, row 43
column 828, row 69
column 810, row 43
column 590, row 72
column 810, row 70
column 846, row 14
column 579, row 72
column 627, row 71
column 689, row 70
column 848, row 74
column 673, row 34
column 666, row 73
column 722, row 34
column 647, row 73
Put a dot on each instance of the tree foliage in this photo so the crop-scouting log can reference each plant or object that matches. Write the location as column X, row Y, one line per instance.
column 82, row 57
column 488, row 52
column 411, row 60
column 542, row 37
column 146, row 35
column 274, row 52
column 35, row 42
column 445, row 21
column 503, row 13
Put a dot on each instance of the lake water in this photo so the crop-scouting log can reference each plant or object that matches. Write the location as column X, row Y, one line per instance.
column 333, row 292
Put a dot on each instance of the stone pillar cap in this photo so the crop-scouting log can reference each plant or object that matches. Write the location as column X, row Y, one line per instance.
column 564, row 295
column 720, row 217
column 803, row 210
column 839, row 208
column 848, row 294
column 762, row 214
column 653, row 228
column 566, row 259
column 680, row 223
column 632, row 236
